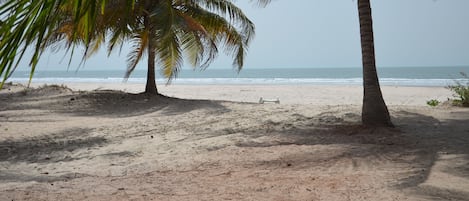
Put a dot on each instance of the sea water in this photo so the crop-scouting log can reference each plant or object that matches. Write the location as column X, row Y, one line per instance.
column 395, row 76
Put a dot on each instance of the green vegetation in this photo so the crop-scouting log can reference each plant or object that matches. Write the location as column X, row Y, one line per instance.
column 461, row 90
column 433, row 102
column 165, row 31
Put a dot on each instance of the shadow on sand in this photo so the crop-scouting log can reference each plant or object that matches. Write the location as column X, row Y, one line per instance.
column 59, row 147
column 418, row 142
column 408, row 145
column 54, row 148
column 109, row 103
column 442, row 139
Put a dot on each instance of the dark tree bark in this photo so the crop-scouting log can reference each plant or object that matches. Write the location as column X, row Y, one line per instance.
column 374, row 111
column 150, row 87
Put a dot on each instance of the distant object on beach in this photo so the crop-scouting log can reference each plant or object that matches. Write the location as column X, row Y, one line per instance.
column 262, row 101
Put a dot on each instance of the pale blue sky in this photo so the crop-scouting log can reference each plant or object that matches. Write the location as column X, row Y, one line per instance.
column 325, row 33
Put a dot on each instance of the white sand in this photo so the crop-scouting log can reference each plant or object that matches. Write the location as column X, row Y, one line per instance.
column 288, row 94
column 56, row 144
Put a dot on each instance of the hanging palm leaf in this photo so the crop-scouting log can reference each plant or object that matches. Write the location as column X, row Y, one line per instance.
column 167, row 30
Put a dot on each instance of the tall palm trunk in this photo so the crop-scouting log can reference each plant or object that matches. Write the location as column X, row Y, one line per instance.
column 150, row 87
column 374, row 111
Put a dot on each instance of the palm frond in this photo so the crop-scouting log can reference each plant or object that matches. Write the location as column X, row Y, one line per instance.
column 261, row 3
column 94, row 45
column 169, row 53
column 235, row 15
column 197, row 43
column 140, row 44
column 31, row 25
column 117, row 39
column 222, row 32
column 192, row 47
column 26, row 25
column 173, row 28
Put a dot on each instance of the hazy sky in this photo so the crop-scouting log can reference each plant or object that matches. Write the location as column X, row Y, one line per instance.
column 325, row 33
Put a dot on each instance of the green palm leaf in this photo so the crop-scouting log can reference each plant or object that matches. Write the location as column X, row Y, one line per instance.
column 167, row 28
column 140, row 44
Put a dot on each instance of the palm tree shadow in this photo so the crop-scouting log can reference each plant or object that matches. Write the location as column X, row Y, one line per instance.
column 443, row 147
column 49, row 148
column 417, row 144
column 54, row 148
column 107, row 103
column 121, row 104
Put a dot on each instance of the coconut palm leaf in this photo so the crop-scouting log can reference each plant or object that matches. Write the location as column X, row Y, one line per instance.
column 26, row 24
column 140, row 44
column 169, row 53
column 225, row 34
column 235, row 15
column 262, row 3
column 168, row 29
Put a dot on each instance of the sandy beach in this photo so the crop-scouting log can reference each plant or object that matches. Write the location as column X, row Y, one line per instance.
column 102, row 141
column 287, row 94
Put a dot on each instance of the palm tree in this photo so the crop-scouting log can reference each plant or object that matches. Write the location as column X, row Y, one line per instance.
column 192, row 28
column 374, row 110
column 28, row 24
column 165, row 30
column 23, row 26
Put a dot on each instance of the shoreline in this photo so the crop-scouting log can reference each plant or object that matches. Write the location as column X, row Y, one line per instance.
column 287, row 94
column 357, row 81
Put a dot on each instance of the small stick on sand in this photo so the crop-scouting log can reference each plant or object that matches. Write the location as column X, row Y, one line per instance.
column 262, row 101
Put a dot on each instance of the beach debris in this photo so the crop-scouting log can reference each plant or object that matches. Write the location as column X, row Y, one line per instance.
column 262, row 101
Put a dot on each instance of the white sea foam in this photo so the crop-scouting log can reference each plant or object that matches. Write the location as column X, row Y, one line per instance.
column 395, row 76
column 249, row 81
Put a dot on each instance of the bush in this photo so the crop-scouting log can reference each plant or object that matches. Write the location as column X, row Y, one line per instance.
column 461, row 91
column 433, row 102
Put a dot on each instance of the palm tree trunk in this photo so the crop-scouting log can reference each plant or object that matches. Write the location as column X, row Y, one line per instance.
column 150, row 87
column 374, row 110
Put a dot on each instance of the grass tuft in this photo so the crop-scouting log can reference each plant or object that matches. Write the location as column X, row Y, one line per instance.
column 461, row 91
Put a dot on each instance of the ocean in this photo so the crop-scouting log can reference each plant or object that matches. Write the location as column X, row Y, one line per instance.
column 394, row 76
